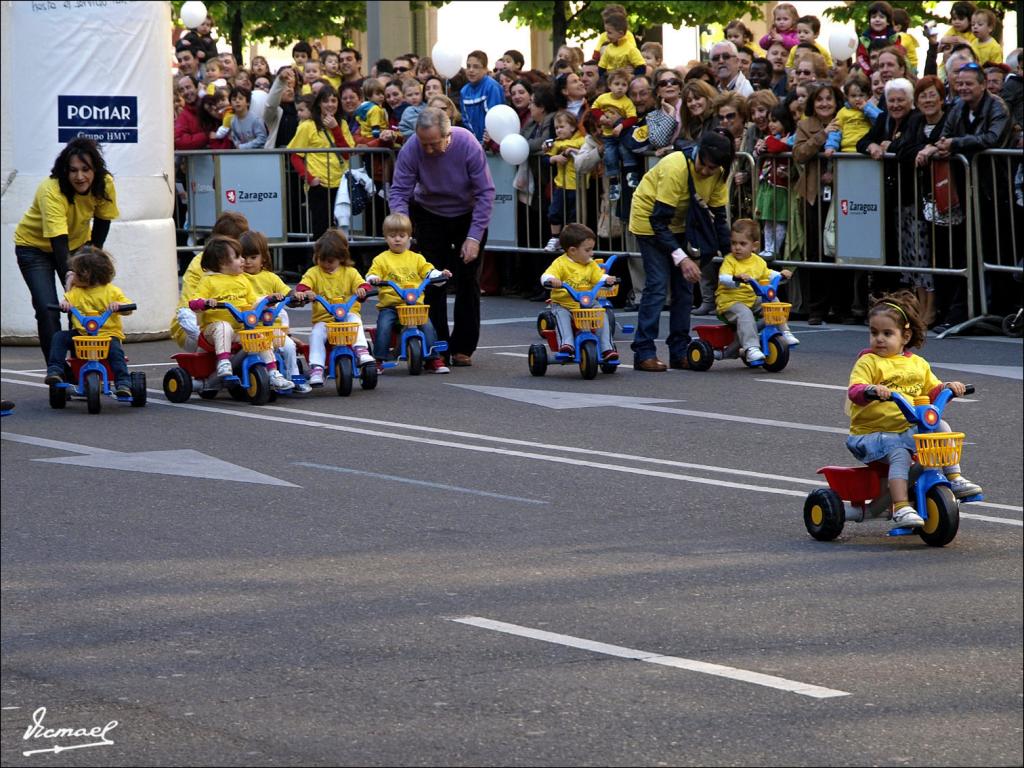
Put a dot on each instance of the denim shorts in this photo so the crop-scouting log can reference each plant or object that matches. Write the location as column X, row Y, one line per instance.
column 875, row 446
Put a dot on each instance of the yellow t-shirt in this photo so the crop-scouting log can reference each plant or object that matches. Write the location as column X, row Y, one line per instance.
column 582, row 277
column 909, row 44
column 334, row 80
column 854, row 126
column 754, row 266
column 407, row 269
column 329, row 167
column 909, row 375
column 623, row 104
column 335, row 287
column 628, row 38
column 93, row 301
column 265, row 283
column 791, row 61
column 370, row 118
column 968, row 36
column 989, row 52
column 51, row 215
column 234, row 289
column 667, row 183
column 190, row 280
column 621, row 54
column 565, row 174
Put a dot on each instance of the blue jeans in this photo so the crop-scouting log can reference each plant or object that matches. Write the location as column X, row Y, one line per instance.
column 62, row 342
column 387, row 322
column 611, row 157
column 661, row 272
column 39, row 268
column 563, row 206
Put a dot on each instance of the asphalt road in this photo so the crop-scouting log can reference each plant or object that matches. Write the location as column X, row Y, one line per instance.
column 302, row 610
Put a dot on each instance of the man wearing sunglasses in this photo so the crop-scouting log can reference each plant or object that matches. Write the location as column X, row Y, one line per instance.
column 725, row 63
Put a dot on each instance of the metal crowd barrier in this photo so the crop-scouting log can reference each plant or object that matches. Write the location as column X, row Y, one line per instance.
column 209, row 186
column 919, row 239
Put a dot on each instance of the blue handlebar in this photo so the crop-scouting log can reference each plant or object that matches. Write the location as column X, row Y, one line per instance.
column 412, row 295
column 765, row 292
column 260, row 314
column 928, row 416
column 92, row 323
column 338, row 310
column 589, row 298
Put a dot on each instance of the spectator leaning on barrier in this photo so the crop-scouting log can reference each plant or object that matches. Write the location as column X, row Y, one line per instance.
column 658, row 220
column 443, row 184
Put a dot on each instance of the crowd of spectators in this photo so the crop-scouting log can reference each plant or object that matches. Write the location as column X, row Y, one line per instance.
column 599, row 114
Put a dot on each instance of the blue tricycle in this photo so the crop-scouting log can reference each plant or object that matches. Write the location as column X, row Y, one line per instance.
column 90, row 368
column 865, row 487
column 410, row 344
column 722, row 338
column 342, row 361
column 251, row 380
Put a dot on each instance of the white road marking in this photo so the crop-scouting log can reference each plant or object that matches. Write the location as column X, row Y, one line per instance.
column 424, row 483
column 678, row 662
column 1002, row 371
column 547, row 397
column 250, row 414
column 986, row 518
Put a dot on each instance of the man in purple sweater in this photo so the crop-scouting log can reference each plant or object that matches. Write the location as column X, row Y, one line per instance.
column 443, row 184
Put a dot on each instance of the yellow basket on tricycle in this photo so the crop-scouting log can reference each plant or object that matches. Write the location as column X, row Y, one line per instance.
column 588, row 319
column 775, row 312
column 412, row 314
column 611, row 290
column 342, row 334
column 92, row 347
column 280, row 335
column 939, row 449
column 256, row 339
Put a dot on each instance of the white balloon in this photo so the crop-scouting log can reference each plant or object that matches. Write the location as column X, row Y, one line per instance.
column 193, row 13
column 258, row 103
column 501, row 121
column 514, row 149
column 447, row 59
column 842, row 44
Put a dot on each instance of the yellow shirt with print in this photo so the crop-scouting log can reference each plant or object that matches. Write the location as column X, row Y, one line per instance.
column 623, row 104
column 909, row 375
column 667, row 183
column 93, row 301
column 909, row 44
column 754, row 266
column 791, row 61
column 582, row 277
column 407, row 269
column 624, row 53
column 854, row 126
column 375, row 117
column 336, row 287
column 565, row 174
column 51, row 215
column 329, row 167
column 237, row 290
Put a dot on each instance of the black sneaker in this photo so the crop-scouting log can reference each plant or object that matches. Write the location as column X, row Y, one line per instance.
column 123, row 390
column 54, row 376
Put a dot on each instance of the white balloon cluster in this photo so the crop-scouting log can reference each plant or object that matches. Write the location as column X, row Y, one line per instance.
column 193, row 13
column 502, row 124
column 447, row 59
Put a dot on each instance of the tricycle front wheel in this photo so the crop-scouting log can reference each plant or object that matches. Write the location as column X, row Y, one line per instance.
column 943, row 520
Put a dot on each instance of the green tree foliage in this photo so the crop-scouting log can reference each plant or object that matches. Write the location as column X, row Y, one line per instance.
column 566, row 18
column 283, row 23
column 920, row 11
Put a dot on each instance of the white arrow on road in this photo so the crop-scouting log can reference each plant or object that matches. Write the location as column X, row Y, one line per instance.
column 185, row 462
column 564, row 400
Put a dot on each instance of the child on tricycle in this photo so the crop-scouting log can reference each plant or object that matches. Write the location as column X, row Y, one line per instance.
column 92, row 293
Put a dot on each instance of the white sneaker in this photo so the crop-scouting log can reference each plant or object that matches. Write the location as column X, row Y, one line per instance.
column 224, row 368
column 316, row 376
column 907, row 517
column 279, row 382
column 962, row 487
column 753, row 355
column 303, row 388
column 365, row 358
column 553, row 246
column 791, row 340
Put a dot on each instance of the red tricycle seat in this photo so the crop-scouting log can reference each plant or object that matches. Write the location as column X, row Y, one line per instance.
column 198, row 365
column 718, row 336
column 856, row 483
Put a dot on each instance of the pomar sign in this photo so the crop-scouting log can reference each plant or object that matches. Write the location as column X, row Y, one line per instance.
column 108, row 119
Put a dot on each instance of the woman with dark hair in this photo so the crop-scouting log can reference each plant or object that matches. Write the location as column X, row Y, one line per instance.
column 72, row 207
column 663, row 123
column 828, row 288
column 658, row 219
column 321, row 171
column 211, row 116
column 571, row 94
